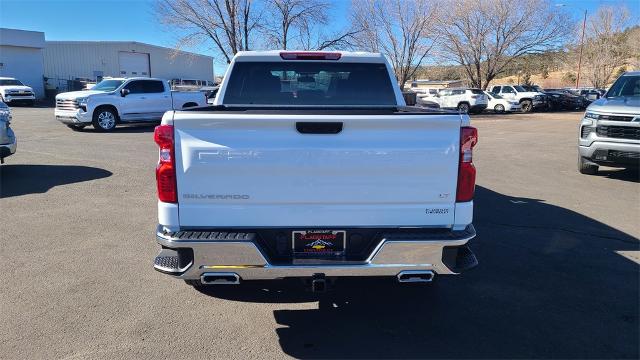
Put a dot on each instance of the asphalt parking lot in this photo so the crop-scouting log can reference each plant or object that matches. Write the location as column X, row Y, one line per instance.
column 558, row 251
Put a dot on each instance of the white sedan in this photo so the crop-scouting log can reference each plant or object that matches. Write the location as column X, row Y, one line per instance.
column 499, row 104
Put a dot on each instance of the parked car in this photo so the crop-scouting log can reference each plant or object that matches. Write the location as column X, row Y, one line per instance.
column 499, row 104
column 331, row 176
column 568, row 99
column 427, row 103
column 610, row 130
column 122, row 100
column 426, row 92
column 588, row 95
column 561, row 100
column 533, row 88
column 528, row 100
column 427, row 97
column 8, row 142
column 14, row 91
column 555, row 101
column 462, row 99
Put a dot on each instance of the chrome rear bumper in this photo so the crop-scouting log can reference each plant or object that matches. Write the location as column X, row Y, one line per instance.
column 393, row 255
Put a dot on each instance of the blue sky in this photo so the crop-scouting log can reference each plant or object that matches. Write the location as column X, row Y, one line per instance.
column 133, row 20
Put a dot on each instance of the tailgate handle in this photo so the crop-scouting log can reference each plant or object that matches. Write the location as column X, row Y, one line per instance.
column 319, row 127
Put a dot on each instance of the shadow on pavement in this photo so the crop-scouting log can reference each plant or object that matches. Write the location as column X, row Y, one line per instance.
column 132, row 128
column 621, row 174
column 16, row 180
column 136, row 128
column 550, row 284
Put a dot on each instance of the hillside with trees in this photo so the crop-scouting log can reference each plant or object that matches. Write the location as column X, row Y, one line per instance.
column 478, row 41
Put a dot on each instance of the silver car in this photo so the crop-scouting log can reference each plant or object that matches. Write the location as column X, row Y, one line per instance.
column 610, row 128
column 8, row 142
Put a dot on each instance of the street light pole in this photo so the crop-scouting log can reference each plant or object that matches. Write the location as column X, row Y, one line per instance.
column 584, row 24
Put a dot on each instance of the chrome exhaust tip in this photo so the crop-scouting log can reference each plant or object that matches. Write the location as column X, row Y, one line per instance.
column 413, row 276
column 220, row 278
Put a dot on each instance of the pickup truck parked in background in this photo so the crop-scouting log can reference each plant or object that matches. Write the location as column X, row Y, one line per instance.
column 309, row 165
column 14, row 91
column 120, row 100
column 529, row 100
column 610, row 129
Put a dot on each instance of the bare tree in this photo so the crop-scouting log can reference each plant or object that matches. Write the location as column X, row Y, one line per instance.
column 300, row 24
column 228, row 23
column 606, row 46
column 633, row 42
column 400, row 29
column 486, row 36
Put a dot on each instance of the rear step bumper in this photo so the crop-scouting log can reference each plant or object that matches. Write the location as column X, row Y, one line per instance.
column 395, row 255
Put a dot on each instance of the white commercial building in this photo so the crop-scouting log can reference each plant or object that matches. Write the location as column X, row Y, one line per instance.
column 94, row 60
column 21, row 57
column 66, row 65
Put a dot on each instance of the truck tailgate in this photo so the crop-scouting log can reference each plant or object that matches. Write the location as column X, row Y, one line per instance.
column 255, row 170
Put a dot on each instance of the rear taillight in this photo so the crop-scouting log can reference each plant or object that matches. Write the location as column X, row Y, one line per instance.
column 310, row 55
column 166, row 170
column 466, row 170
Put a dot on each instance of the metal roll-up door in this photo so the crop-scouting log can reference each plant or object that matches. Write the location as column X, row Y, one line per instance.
column 134, row 64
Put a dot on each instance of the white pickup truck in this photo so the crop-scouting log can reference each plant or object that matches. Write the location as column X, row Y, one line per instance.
column 528, row 100
column 122, row 100
column 310, row 165
column 13, row 91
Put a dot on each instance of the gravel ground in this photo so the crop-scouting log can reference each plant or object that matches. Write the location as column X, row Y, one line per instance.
column 558, row 252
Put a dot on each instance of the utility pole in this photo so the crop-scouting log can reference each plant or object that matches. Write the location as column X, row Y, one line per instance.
column 584, row 24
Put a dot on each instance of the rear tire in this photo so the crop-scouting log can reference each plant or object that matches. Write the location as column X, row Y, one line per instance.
column 586, row 167
column 104, row 119
column 499, row 108
column 463, row 108
column 527, row 106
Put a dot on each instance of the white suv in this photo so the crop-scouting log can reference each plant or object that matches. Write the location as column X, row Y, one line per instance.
column 464, row 100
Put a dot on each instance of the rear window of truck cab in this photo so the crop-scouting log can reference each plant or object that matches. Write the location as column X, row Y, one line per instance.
column 309, row 83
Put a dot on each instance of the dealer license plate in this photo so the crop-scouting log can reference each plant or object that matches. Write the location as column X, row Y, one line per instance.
column 319, row 242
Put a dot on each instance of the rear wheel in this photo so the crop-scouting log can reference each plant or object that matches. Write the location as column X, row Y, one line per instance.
column 499, row 108
column 463, row 108
column 527, row 106
column 586, row 167
column 104, row 119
